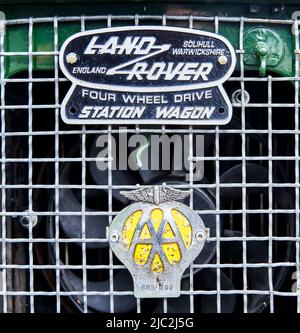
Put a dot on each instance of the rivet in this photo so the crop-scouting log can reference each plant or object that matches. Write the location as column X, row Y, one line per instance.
column 72, row 58
column 222, row 60
column 114, row 237
column 200, row 235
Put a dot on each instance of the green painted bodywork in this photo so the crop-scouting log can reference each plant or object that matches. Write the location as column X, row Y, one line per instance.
column 16, row 38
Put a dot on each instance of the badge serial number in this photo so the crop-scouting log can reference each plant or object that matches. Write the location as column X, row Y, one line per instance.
column 157, row 287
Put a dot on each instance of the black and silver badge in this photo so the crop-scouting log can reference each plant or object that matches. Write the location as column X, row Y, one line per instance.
column 147, row 75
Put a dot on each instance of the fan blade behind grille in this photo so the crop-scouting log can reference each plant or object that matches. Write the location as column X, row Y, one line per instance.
column 101, row 303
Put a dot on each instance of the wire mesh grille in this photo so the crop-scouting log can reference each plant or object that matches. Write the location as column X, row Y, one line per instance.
column 21, row 287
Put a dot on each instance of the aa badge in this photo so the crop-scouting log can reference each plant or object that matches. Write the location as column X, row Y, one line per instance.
column 157, row 238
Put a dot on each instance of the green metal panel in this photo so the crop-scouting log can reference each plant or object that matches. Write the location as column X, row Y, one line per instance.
column 17, row 35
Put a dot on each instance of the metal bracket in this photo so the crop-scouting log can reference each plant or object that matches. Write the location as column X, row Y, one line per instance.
column 263, row 48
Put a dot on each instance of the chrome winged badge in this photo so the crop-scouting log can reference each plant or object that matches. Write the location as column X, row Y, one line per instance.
column 156, row 194
column 157, row 238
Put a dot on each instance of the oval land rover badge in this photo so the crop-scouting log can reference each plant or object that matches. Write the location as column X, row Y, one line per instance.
column 147, row 75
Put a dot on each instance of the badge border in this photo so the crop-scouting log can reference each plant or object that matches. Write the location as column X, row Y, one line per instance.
column 110, row 87
column 113, row 88
column 80, row 121
column 190, row 254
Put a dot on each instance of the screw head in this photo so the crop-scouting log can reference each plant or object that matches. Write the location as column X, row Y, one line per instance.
column 200, row 235
column 237, row 96
column 222, row 60
column 114, row 237
column 27, row 220
column 72, row 58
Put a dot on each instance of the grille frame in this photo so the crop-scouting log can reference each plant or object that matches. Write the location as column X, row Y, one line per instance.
column 136, row 19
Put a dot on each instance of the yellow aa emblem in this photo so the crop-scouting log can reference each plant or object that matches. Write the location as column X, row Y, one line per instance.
column 156, row 229
column 157, row 238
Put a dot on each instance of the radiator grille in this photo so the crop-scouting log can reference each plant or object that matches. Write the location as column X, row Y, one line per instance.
column 28, row 194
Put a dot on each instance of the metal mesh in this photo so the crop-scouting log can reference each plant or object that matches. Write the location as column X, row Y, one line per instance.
column 31, row 266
